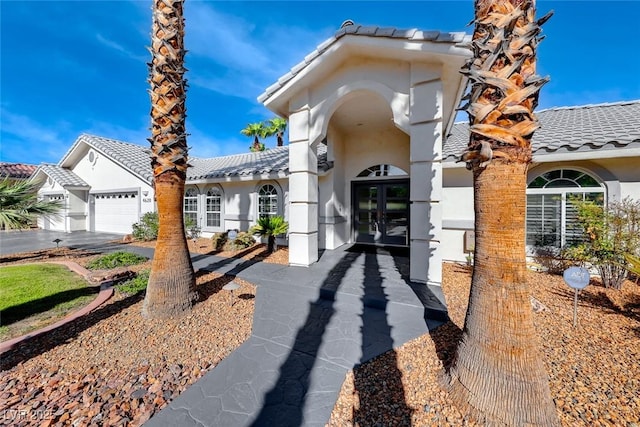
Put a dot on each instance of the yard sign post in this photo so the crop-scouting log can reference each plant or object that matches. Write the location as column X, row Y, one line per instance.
column 578, row 279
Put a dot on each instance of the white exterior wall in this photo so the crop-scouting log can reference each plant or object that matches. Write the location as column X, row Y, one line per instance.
column 77, row 210
column 620, row 176
column 58, row 222
column 240, row 204
column 457, row 211
column 104, row 175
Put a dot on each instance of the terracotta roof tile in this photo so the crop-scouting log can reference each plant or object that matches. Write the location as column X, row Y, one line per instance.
column 16, row 170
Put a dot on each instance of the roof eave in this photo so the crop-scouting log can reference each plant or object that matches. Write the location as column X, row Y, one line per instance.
column 276, row 96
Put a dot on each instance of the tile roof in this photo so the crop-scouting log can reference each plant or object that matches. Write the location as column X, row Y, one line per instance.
column 349, row 28
column 133, row 157
column 247, row 164
column 136, row 159
column 64, row 177
column 16, row 170
column 568, row 129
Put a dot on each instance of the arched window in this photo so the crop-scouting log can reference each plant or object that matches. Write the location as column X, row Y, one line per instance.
column 213, row 207
column 551, row 215
column 267, row 201
column 381, row 170
column 191, row 205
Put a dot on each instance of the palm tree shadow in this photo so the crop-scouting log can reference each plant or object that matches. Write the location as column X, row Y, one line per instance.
column 21, row 311
column 447, row 336
column 381, row 396
column 42, row 343
column 285, row 401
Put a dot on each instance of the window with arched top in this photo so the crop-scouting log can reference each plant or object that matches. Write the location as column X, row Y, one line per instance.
column 551, row 215
column 191, row 205
column 213, row 207
column 382, row 170
column 267, row 201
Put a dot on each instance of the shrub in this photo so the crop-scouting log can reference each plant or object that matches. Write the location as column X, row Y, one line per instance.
column 552, row 259
column 147, row 228
column 191, row 229
column 116, row 259
column 136, row 285
column 218, row 241
column 242, row 241
column 610, row 234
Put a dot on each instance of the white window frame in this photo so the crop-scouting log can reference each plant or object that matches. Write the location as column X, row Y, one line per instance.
column 205, row 206
column 562, row 192
column 277, row 194
column 192, row 194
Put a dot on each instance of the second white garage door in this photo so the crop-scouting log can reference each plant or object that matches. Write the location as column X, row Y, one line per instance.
column 116, row 212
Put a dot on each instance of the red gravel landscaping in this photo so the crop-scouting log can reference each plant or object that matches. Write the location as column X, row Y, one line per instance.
column 594, row 368
column 112, row 367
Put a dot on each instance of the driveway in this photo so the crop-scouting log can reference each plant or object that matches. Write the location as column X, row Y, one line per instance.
column 15, row 241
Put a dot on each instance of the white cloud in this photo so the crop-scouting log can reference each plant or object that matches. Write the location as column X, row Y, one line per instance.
column 119, row 48
column 251, row 57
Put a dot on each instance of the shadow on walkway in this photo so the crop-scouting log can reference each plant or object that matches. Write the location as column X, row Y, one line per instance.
column 381, row 394
column 445, row 337
column 284, row 403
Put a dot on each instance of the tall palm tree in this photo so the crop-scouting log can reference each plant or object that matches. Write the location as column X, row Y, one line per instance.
column 277, row 127
column 498, row 375
column 257, row 131
column 19, row 204
column 171, row 289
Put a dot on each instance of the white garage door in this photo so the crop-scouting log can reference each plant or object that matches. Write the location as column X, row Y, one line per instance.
column 116, row 212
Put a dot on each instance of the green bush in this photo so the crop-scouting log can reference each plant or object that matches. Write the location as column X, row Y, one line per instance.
column 147, row 228
column 610, row 234
column 242, row 241
column 136, row 285
column 218, row 241
column 116, row 259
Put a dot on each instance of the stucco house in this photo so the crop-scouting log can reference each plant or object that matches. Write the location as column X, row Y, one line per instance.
column 371, row 158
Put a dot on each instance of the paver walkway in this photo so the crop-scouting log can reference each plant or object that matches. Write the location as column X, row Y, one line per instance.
column 311, row 325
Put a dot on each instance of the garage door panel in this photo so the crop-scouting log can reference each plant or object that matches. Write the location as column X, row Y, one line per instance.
column 116, row 212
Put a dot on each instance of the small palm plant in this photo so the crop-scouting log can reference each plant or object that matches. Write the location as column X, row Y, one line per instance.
column 19, row 204
column 270, row 227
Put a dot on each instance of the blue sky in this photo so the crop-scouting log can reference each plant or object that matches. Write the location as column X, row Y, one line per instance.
column 69, row 67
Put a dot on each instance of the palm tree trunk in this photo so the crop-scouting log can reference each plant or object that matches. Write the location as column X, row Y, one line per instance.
column 498, row 375
column 171, row 289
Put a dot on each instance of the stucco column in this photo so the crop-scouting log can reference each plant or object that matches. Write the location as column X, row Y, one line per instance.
column 303, row 190
column 426, row 175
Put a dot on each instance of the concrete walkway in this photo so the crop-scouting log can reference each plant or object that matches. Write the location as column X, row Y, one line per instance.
column 311, row 325
column 16, row 241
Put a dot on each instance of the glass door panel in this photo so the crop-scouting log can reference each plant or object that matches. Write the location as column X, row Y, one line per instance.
column 382, row 213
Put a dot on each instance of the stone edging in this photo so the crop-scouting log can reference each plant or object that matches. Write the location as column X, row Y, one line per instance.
column 106, row 291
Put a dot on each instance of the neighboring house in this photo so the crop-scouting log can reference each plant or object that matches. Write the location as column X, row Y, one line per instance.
column 371, row 159
column 16, row 171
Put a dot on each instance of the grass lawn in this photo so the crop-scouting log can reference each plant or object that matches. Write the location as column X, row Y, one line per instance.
column 35, row 295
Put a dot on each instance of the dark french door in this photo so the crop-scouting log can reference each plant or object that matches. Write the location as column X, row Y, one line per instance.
column 381, row 212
